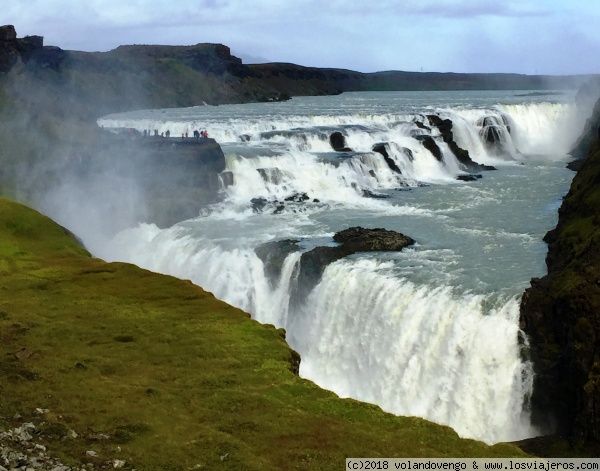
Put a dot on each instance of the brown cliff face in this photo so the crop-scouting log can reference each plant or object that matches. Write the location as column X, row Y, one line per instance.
column 560, row 313
column 9, row 54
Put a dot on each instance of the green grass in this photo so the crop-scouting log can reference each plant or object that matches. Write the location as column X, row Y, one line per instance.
column 172, row 376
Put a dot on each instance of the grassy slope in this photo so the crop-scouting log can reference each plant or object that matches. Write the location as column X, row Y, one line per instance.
column 172, row 375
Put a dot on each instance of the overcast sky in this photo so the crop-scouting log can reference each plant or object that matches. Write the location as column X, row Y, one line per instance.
column 522, row 36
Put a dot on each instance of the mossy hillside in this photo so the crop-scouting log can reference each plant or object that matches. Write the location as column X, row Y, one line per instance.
column 561, row 315
column 159, row 369
column 576, row 240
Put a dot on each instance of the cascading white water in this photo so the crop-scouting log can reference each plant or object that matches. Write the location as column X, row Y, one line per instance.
column 431, row 331
column 535, row 122
column 416, row 350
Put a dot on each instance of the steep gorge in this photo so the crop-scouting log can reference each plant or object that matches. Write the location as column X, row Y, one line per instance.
column 560, row 312
column 51, row 96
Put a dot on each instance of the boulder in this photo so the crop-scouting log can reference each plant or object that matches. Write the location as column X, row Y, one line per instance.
column 352, row 240
column 371, row 194
column 468, row 178
column 297, row 198
column 338, row 142
column 359, row 239
column 258, row 204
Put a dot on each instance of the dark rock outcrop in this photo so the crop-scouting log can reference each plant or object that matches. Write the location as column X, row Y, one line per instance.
column 352, row 240
column 560, row 313
column 174, row 178
column 8, row 33
column 29, row 49
column 258, row 204
column 591, row 129
column 494, row 133
column 371, row 194
column 338, row 142
column 313, row 262
column 381, row 148
column 271, row 175
column 491, row 134
column 408, row 153
column 9, row 54
column 429, row 143
column 273, row 254
column 445, row 128
column 359, row 239
column 469, row 177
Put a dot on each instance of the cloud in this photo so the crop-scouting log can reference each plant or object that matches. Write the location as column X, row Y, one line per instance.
column 434, row 8
column 479, row 8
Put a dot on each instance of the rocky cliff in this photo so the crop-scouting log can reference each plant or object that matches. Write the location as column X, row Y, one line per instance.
column 560, row 312
column 168, row 180
column 50, row 100
column 147, row 76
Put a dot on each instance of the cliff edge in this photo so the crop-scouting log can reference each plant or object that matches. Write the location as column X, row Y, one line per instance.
column 107, row 365
column 560, row 313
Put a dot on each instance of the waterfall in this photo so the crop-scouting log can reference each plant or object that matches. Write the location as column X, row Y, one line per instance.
column 437, row 354
column 431, row 331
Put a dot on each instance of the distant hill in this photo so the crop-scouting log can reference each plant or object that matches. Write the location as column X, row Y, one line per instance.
column 51, row 98
column 249, row 59
column 153, row 76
